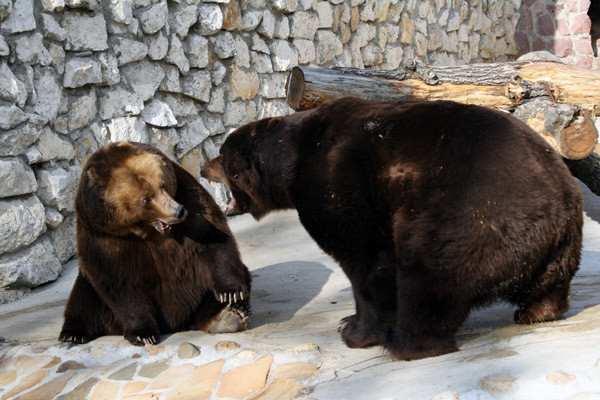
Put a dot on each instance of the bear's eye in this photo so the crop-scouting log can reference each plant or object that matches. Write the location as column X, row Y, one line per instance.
column 235, row 176
column 146, row 199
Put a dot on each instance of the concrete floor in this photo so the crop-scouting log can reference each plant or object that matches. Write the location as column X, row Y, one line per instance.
column 300, row 294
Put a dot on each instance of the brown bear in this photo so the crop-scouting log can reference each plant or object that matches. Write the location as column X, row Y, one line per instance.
column 155, row 252
column 431, row 208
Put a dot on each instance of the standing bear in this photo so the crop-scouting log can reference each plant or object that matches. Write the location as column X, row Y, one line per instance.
column 431, row 208
column 155, row 252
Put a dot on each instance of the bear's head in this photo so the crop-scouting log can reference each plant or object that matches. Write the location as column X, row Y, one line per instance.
column 239, row 166
column 129, row 188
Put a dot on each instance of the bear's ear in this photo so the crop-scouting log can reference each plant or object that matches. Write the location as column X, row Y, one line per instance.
column 266, row 125
column 95, row 177
column 273, row 122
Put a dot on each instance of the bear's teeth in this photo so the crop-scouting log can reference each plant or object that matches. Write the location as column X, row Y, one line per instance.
column 162, row 227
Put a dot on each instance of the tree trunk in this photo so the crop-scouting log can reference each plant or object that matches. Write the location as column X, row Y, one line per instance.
column 555, row 100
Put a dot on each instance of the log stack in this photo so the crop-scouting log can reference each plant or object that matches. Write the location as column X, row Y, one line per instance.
column 558, row 101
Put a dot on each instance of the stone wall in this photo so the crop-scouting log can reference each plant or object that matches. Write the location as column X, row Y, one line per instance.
column 562, row 27
column 76, row 74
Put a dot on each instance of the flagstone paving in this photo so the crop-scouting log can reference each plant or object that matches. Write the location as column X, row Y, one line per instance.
column 43, row 376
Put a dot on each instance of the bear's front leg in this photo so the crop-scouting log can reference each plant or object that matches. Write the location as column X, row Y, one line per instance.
column 121, row 273
column 230, row 280
column 374, row 290
column 134, row 309
column 86, row 315
column 361, row 329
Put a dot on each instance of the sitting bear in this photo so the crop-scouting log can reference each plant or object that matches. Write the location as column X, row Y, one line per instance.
column 431, row 208
column 155, row 252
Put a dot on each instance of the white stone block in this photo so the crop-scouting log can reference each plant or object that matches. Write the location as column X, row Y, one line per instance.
column 22, row 220
column 17, row 177
column 85, row 32
column 158, row 113
column 81, row 71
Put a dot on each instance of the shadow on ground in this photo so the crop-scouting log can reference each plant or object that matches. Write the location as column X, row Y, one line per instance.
column 279, row 291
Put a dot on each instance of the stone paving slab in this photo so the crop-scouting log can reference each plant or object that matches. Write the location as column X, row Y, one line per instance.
column 292, row 350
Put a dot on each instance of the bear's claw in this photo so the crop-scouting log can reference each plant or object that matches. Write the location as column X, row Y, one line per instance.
column 149, row 340
column 231, row 297
column 142, row 341
column 72, row 337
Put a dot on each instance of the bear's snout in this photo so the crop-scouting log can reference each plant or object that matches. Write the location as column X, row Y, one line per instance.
column 179, row 214
column 213, row 170
column 174, row 213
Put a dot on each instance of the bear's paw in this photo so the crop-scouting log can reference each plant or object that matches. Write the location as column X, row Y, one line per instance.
column 233, row 318
column 73, row 336
column 358, row 334
column 142, row 336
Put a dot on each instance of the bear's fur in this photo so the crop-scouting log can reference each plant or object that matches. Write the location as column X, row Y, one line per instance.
column 431, row 209
column 155, row 252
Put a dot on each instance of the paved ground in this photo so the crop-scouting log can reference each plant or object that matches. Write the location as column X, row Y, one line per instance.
column 292, row 348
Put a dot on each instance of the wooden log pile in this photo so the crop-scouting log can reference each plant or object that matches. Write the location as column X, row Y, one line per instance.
column 558, row 101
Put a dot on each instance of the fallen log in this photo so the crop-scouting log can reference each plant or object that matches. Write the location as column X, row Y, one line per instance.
column 556, row 100
column 496, row 85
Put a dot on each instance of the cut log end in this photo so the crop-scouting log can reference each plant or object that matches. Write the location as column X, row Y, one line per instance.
column 579, row 138
column 573, row 135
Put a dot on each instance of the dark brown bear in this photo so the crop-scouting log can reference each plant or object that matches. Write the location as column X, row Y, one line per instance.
column 155, row 252
column 431, row 209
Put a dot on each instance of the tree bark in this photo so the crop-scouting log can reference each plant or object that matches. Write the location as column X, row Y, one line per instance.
column 556, row 100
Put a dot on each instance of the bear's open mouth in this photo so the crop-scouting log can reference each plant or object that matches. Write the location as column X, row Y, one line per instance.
column 162, row 227
column 231, row 206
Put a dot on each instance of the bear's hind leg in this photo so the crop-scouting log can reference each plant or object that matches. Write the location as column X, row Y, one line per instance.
column 86, row 315
column 547, row 308
column 427, row 319
column 233, row 318
column 548, row 297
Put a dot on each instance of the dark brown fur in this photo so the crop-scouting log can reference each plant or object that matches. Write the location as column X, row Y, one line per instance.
column 134, row 279
column 431, row 209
